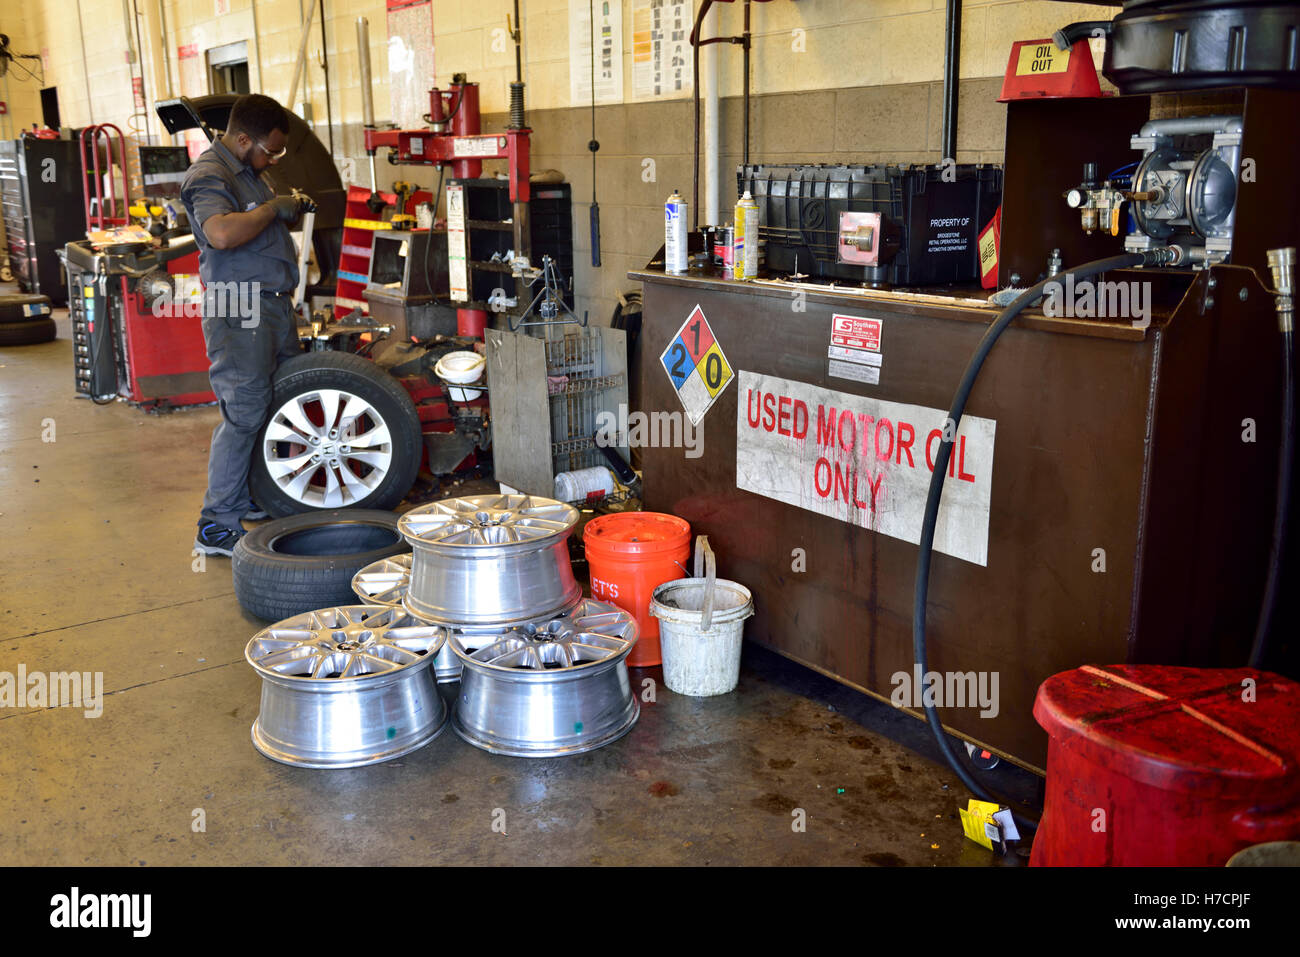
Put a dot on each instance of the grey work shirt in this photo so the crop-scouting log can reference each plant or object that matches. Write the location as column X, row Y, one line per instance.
column 219, row 183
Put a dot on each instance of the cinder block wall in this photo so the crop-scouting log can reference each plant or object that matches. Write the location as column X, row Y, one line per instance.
column 851, row 81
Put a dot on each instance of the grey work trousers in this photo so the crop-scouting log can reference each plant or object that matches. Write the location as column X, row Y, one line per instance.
column 243, row 362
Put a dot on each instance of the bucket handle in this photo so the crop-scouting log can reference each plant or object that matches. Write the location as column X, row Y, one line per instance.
column 704, row 557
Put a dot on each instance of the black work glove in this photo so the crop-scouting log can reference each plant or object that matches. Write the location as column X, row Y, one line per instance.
column 286, row 207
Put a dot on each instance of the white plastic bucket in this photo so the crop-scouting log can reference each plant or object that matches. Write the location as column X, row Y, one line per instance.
column 461, row 367
column 701, row 639
column 583, row 484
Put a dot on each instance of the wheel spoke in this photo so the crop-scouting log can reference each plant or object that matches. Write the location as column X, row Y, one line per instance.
column 278, row 431
column 372, row 438
column 333, row 490
column 378, row 664
column 492, row 520
column 329, row 404
column 297, row 416
column 297, row 487
column 355, row 408
column 279, row 468
column 377, row 460
column 356, row 486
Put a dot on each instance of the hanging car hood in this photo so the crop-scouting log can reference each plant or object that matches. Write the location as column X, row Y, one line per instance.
column 307, row 166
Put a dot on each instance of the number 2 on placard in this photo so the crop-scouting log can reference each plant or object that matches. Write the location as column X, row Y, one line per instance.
column 679, row 351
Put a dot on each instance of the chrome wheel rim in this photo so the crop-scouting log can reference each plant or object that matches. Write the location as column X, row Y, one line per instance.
column 348, row 686
column 477, row 522
column 327, row 448
column 548, row 688
column 383, row 582
column 490, row 559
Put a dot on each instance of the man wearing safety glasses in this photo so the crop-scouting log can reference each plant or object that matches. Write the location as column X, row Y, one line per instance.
column 249, row 267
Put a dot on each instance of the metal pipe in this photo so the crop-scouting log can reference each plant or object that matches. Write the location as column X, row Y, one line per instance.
column 144, row 96
column 1282, row 264
column 367, row 95
column 304, row 256
column 302, row 54
column 257, row 43
column 951, row 78
column 1191, row 125
column 85, row 73
column 712, row 147
column 696, row 40
column 8, row 120
column 132, row 47
column 745, row 55
column 325, row 68
column 519, row 56
column 166, row 49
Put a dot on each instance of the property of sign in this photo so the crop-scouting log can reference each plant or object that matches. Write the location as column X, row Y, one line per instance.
column 864, row 461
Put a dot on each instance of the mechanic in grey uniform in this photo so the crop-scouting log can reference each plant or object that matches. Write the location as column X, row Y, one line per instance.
column 249, row 267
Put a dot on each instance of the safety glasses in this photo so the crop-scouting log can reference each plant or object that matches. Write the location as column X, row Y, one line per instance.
column 274, row 156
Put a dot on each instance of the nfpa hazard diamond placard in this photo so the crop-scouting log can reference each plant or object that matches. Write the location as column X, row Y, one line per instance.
column 696, row 366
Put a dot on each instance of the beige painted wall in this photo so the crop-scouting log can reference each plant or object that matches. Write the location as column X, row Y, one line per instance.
column 836, row 81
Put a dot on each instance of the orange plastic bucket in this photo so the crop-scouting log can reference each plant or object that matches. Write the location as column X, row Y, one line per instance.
column 631, row 554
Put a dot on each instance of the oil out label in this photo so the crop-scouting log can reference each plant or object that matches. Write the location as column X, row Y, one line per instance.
column 864, row 461
column 1041, row 57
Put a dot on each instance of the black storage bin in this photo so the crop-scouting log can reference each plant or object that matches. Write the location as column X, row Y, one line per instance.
column 43, row 204
column 487, row 213
column 932, row 225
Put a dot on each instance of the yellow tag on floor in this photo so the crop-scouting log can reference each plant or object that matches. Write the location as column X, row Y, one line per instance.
column 975, row 818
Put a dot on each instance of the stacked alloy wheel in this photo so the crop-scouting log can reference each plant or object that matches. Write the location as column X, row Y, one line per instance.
column 487, row 596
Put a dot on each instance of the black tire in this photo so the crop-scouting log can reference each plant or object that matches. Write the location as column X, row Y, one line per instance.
column 361, row 377
column 27, row 333
column 23, row 307
column 298, row 564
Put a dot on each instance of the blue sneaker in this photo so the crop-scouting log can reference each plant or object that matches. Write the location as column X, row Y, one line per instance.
column 214, row 539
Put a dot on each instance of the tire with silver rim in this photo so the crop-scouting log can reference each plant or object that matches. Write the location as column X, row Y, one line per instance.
column 548, row 688
column 342, row 433
column 348, row 686
column 490, row 559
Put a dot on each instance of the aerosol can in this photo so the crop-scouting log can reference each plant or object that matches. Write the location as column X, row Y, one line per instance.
column 675, row 212
column 745, row 255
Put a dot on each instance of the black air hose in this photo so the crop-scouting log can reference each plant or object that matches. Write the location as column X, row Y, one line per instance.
column 940, row 474
column 1286, row 457
column 1067, row 37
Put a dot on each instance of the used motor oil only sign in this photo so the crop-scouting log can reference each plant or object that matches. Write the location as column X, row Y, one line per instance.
column 864, row 461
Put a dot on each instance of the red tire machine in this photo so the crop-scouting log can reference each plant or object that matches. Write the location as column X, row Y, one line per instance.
column 452, row 139
column 133, row 298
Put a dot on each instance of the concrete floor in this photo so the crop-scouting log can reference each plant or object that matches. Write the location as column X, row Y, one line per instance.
column 97, row 575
